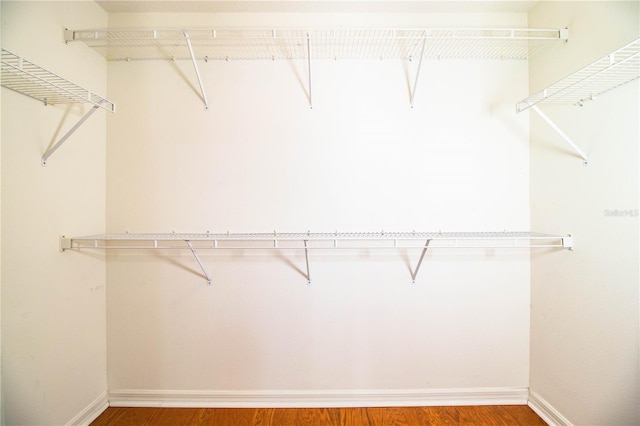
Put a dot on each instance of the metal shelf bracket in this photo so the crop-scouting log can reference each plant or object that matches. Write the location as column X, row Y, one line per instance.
column 309, row 68
column 195, row 67
column 306, row 258
column 562, row 134
column 415, row 83
column 195, row 254
column 414, row 273
column 66, row 136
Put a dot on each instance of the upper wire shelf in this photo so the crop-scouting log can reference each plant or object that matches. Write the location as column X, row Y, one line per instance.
column 613, row 70
column 23, row 76
column 271, row 44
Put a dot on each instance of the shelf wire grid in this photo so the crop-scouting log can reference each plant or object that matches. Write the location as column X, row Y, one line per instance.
column 232, row 44
column 613, row 70
column 23, row 76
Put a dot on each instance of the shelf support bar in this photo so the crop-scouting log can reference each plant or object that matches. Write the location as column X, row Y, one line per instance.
column 309, row 68
column 195, row 67
column 75, row 127
column 204, row 271
column 414, row 274
column 306, row 258
column 562, row 134
column 415, row 83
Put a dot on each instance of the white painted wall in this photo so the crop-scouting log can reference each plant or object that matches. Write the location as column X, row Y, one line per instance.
column 259, row 159
column 53, row 304
column 584, row 321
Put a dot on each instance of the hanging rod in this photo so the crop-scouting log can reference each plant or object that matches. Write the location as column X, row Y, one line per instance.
column 318, row 241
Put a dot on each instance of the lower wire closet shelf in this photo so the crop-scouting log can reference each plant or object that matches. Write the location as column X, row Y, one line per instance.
column 308, row 241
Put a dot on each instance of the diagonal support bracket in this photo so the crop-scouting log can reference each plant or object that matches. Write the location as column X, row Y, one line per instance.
column 309, row 68
column 66, row 136
column 195, row 254
column 306, row 258
column 562, row 134
column 414, row 273
column 195, row 67
column 415, row 83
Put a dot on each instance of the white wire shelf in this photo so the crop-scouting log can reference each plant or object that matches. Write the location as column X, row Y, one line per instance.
column 272, row 44
column 328, row 240
column 310, row 241
column 613, row 70
column 312, row 44
column 23, row 76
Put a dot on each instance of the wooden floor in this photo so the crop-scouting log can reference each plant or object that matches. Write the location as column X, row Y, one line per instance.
column 508, row 415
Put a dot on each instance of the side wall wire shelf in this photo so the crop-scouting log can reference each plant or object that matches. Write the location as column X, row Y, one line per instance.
column 27, row 78
column 607, row 73
column 613, row 70
column 318, row 241
column 314, row 44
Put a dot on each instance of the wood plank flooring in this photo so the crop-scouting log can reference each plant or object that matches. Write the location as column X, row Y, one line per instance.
column 495, row 415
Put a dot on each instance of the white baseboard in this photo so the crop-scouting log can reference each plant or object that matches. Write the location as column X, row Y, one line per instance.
column 91, row 412
column 546, row 411
column 321, row 398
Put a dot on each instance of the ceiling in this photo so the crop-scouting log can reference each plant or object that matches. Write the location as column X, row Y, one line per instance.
column 316, row 6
